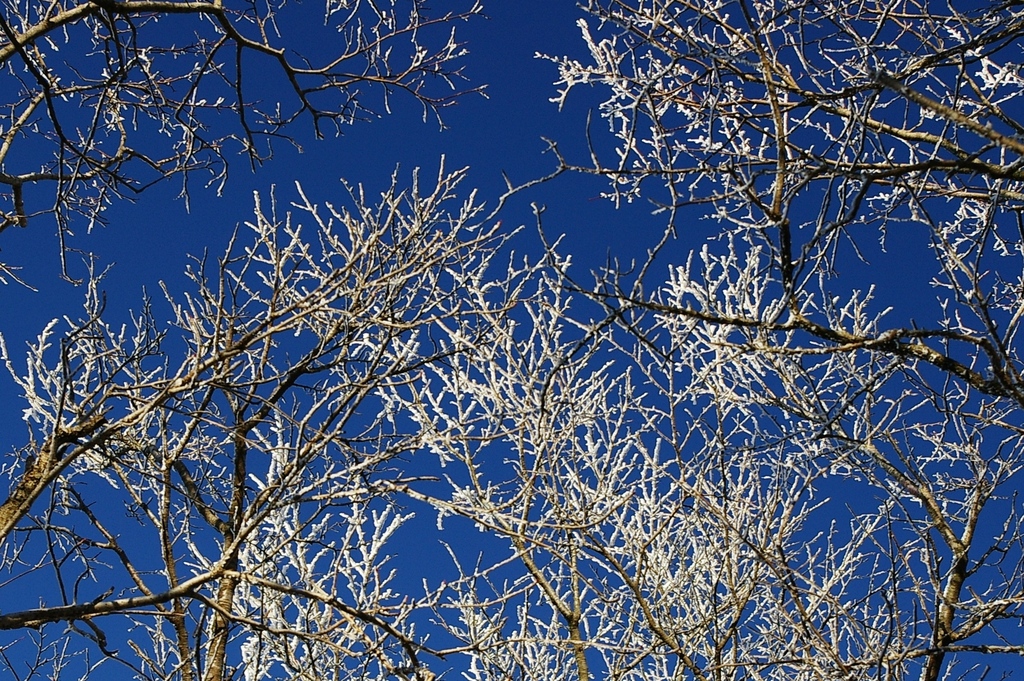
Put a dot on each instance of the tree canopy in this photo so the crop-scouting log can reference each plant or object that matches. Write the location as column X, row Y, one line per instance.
column 385, row 433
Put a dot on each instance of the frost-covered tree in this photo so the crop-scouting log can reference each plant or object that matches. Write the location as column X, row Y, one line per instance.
column 761, row 454
column 791, row 449
column 103, row 98
column 210, row 498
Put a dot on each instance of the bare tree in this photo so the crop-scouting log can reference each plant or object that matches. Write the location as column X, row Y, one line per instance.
column 739, row 459
column 249, row 446
column 104, row 98
column 763, row 465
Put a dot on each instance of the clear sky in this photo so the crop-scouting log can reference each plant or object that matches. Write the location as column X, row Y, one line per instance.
column 501, row 132
column 147, row 242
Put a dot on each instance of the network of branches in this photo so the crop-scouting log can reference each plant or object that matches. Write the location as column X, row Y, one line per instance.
column 105, row 98
column 758, row 455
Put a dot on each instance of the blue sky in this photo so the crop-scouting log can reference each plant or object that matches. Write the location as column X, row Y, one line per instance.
column 148, row 241
column 501, row 132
